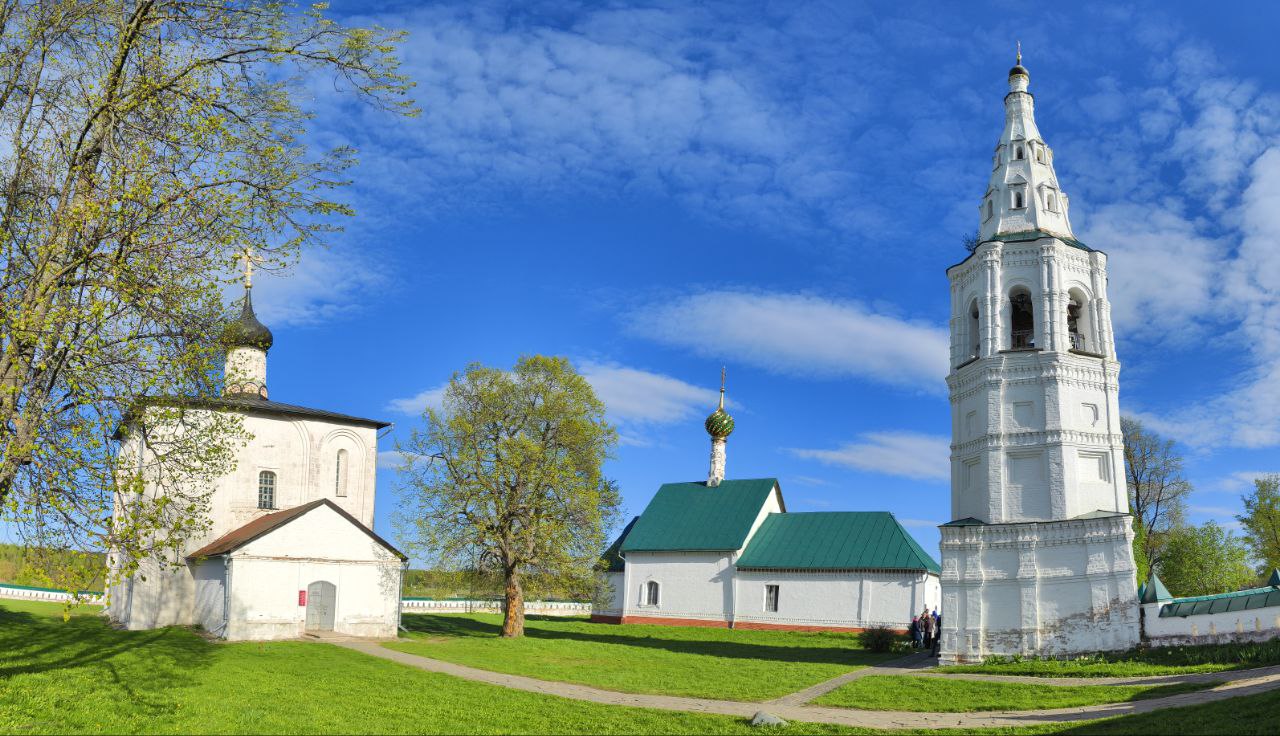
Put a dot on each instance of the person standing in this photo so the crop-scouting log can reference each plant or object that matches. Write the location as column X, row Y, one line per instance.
column 926, row 624
column 937, row 633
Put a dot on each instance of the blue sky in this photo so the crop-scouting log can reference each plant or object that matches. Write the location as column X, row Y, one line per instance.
column 656, row 190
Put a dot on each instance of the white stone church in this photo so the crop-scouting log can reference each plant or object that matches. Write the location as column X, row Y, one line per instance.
column 728, row 553
column 290, row 547
column 1038, row 559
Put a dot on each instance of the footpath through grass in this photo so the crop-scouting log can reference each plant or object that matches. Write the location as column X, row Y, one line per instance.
column 1137, row 662
column 670, row 660
column 83, row 677
column 934, row 694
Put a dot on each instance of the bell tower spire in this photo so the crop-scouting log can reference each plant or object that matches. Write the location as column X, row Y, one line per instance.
column 247, row 341
column 1023, row 194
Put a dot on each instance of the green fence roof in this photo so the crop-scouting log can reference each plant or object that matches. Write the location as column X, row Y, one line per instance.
column 835, row 540
column 1240, row 600
column 697, row 517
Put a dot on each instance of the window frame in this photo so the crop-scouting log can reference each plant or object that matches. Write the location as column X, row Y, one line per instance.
column 342, row 472
column 652, row 594
column 775, row 599
column 267, row 485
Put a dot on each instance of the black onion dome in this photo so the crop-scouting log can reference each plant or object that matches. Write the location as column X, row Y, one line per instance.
column 247, row 331
column 1020, row 69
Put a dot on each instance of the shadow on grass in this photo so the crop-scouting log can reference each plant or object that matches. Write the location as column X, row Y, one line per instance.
column 141, row 665
column 468, row 627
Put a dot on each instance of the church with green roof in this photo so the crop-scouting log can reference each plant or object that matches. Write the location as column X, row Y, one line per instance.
column 727, row 553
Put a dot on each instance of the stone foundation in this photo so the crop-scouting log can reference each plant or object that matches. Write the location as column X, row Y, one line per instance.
column 1055, row 588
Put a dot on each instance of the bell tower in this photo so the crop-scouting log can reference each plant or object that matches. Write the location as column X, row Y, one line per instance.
column 1038, row 559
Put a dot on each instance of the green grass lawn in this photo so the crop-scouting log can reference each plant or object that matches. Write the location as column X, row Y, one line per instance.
column 671, row 660
column 1138, row 662
column 903, row 692
column 83, row 677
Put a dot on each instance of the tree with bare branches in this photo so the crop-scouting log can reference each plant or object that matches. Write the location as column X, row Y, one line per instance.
column 144, row 144
column 1157, row 488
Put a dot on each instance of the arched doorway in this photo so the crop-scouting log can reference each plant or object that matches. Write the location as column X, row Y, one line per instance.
column 321, row 597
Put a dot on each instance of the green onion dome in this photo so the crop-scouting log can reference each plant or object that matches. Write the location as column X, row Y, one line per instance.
column 247, row 331
column 719, row 425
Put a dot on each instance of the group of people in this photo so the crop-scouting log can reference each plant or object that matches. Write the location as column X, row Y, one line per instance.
column 926, row 631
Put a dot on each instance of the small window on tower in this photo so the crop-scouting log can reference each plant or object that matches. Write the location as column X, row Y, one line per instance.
column 1051, row 202
column 1017, row 153
column 991, row 208
column 1018, row 202
column 1040, row 154
column 340, row 481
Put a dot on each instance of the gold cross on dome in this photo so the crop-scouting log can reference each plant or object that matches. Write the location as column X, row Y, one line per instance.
column 1019, row 52
column 249, row 258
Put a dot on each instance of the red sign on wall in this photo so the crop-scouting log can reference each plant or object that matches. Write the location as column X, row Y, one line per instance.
column 302, row 597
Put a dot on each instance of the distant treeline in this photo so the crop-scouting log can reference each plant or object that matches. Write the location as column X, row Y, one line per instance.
column 21, row 565
column 473, row 584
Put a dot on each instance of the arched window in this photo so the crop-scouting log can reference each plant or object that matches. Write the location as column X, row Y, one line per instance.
column 1017, row 153
column 1017, row 201
column 1022, row 322
column 975, row 334
column 1040, row 154
column 651, row 593
column 1051, row 202
column 340, row 474
column 1079, row 326
column 266, row 490
column 991, row 208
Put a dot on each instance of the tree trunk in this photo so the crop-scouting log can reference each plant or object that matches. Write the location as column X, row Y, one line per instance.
column 513, row 615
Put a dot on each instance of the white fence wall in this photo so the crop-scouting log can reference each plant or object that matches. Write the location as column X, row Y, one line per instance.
column 537, row 608
column 26, row 592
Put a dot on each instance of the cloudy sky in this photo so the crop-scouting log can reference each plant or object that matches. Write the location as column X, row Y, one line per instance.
column 656, row 190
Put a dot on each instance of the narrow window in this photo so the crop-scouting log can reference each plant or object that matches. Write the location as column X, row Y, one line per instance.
column 1017, row 201
column 1040, row 155
column 1051, row 202
column 1017, row 153
column 651, row 593
column 340, row 476
column 1022, row 321
column 975, row 334
column 266, row 490
column 991, row 208
column 771, row 598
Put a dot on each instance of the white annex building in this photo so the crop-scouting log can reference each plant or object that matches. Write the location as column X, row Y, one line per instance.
column 290, row 546
column 1039, row 558
column 727, row 553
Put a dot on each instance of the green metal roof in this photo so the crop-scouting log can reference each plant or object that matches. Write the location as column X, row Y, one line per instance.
column 613, row 561
column 1240, row 600
column 1025, row 235
column 1154, row 591
column 695, row 516
column 835, row 540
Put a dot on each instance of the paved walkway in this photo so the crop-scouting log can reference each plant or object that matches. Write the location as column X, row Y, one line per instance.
column 909, row 664
column 1221, row 676
column 1236, row 684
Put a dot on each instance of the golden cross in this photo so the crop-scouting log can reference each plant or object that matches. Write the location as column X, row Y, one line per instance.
column 249, row 258
column 722, row 371
column 1019, row 52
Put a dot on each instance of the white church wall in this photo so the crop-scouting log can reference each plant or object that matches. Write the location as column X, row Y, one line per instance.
column 833, row 599
column 155, row 596
column 613, row 597
column 695, row 586
column 1053, row 588
column 267, row 574
column 209, row 603
column 1256, row 624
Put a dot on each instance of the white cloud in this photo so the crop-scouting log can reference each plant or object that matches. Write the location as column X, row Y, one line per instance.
column 391, row 459
column 1238, row 482
column 907, row 454
column 415, row 405
column 1215, row 511
column 325, row 284
column 632, row 395
column 801, row 334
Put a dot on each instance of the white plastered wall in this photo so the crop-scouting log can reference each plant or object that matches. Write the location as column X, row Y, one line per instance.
column 848, row 598
column 692, row 585
column 1256, row 624
column 267, row 574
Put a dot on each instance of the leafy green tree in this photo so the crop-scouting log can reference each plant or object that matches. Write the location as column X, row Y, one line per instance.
column 506, row 476
column 1261, row 520
column 1157, row 488
column 143, row 145
column 1202, row 560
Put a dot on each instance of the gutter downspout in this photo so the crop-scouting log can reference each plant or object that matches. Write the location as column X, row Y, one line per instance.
column 733, row 589
column 226, row 595
column 400, row 598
